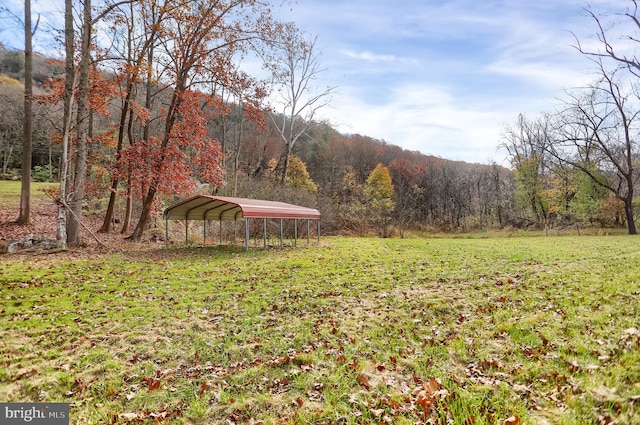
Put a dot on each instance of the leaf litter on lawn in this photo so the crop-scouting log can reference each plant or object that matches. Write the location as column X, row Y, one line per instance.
column 475, row 331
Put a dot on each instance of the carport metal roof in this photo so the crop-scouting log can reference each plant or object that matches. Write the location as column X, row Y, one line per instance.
column 220, row 208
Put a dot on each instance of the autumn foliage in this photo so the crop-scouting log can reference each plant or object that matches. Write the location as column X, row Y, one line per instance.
column 190, row 156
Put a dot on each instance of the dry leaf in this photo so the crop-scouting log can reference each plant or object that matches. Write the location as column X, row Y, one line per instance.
column 377, row 412
column 128, row 416
column 364, row 381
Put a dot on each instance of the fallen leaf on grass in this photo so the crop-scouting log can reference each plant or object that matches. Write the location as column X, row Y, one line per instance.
column 354, row 364
column 574, row 367
column 429, row 394
column 519, row 388
column 279, row 361
column 27, row 374
column 377, row 412
column 204, row 386
column 152, row 383
column 159, row 415
column 513, row 420
column 364, row 381
column 129, row 416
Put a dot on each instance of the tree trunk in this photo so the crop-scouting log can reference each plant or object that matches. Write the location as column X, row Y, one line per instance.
column 74, row 226
column 146, row 209
column 69, row 84
column 5, row 160
column 108, row 218
column 628, row 209
column 285, row 168
column 128, row 209
column 236, row 155
column 25, row 191
column 144, row 217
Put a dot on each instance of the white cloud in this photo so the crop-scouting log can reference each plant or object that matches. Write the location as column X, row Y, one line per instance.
column 369, row 57
column 424, row 118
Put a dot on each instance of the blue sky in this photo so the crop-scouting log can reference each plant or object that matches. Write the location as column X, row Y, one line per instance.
column 446, row 77
column 440, row 77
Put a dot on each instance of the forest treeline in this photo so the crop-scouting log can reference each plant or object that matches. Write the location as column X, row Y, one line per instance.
column 165, row 110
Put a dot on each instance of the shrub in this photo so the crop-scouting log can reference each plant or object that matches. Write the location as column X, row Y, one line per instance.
column 45, row 173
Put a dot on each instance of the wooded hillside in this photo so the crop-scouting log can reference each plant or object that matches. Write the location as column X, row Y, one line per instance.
column 329, row 171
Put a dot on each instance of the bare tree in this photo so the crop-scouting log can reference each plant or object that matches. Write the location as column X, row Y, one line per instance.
column 619, row 53
column 597, row 132
column 27, row 140
column 27, row 133
column 294, row 71
column 82, row 130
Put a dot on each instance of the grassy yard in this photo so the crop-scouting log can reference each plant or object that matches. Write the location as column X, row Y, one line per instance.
column 10, row 192
column 527, row 330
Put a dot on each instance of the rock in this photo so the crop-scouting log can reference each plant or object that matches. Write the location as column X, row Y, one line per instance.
column 30, row 243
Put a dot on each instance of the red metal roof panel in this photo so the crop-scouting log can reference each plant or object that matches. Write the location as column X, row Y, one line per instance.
column 205, row 207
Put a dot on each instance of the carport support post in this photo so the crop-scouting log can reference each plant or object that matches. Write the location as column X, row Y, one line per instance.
column 246, row 234
column 220, row 231
column 186, row 231
column 204, row 232
column 308, row 231
column 280, row 233
column 295, row 232
column 318, row 231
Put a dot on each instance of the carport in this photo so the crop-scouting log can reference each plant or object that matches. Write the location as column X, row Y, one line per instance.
column 220, row 208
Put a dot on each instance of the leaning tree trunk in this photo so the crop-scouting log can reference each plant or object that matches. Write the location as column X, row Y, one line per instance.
column 147, row 206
